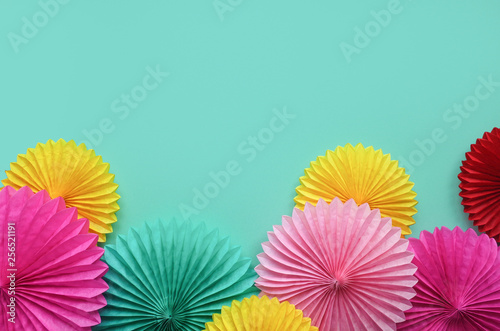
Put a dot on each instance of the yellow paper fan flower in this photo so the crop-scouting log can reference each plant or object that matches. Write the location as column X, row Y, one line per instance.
column 255, row 314
column 362, row 174
column 74, row 173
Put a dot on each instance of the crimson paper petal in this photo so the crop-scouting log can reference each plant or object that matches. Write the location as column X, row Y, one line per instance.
column 480, row 183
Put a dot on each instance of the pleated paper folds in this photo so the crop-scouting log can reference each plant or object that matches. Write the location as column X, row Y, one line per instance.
column 480, row 184
column 260, row 314
column 362, row 174
column 74, row 173
column 458, row 285
column 344, row 266
column 166, row 276
column 53, row 273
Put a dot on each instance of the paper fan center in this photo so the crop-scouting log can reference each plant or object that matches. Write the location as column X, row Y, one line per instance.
column 458, row 314
column 337, row 283
column 165, row 315
column 460, row 309
column 359, row 198
column 166, row 320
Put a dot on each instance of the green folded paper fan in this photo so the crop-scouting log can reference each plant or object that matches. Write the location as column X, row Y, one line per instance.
column 172, row 276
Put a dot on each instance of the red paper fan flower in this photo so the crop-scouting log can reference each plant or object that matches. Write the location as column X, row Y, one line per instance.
column 51, row 273
column 480, row 183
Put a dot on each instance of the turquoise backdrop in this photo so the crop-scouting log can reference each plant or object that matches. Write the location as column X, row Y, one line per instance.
column 173, row 93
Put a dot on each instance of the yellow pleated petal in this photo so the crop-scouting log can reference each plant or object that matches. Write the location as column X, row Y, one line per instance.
column 365, row 175
column 260, row 314
column 74, row 173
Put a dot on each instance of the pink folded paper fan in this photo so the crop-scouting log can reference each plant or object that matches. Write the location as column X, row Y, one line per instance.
column 458, row 282
column 344, row 266
column 480, row 184
column 51, row 273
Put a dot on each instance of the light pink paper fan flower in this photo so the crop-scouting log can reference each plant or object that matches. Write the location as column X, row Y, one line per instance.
column 344, row 266
column 50, row 267
column 458, row 285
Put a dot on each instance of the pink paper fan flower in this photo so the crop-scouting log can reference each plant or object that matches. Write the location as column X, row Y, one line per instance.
column 343, row 265
column 50, row 265
column 458, row 285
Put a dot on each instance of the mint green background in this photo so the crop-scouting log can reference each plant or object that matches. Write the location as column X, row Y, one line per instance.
column 225, row 79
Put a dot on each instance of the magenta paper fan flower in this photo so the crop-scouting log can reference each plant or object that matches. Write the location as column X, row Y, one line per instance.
column 458, row 285
column 344, row 266
column 51, row 273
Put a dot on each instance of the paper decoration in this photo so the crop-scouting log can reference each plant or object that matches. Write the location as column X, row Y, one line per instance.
column 362, row 174
column 344, row 266
column 73, row 173
column 458, row 282
column 50, row 265
column 254, row 314
column 480, row 184
column 166, row 276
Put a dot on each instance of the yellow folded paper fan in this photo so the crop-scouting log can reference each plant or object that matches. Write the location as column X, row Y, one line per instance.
column 365, row 175
column 260, row 314
column 74, row 173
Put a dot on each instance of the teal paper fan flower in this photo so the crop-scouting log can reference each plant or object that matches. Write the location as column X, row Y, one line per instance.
column 171, row 276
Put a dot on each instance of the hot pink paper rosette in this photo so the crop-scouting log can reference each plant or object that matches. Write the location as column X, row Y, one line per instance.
column 56, row 267
column 458, row 285
column 344, row 266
